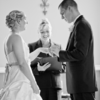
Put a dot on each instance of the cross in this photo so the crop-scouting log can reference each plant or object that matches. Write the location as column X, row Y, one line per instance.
column 44, row 5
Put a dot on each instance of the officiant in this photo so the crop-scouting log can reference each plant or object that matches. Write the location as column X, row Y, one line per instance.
column 48, row 81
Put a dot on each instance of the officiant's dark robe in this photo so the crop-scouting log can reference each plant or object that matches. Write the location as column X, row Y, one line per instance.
column 45, row 79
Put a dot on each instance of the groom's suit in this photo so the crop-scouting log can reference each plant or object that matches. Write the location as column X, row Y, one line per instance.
column 80, row 71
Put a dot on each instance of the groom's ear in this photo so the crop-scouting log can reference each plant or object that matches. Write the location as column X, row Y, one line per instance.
column 69, row 8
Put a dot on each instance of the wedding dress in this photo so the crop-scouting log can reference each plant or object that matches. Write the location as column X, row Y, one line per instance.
column 17, row 86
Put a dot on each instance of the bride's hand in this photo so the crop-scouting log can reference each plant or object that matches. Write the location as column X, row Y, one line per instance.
column 44, row 50
column 35, row 88
column 36, row 52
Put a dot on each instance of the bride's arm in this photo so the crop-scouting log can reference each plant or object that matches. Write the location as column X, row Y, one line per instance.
column 34, row 54
column 17, row 47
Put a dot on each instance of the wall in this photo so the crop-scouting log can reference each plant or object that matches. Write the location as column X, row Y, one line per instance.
column 60, row 33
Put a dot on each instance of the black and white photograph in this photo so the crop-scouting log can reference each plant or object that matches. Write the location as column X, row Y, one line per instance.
column 49, row 50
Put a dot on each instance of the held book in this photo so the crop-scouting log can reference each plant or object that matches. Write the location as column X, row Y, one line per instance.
column 55, row 65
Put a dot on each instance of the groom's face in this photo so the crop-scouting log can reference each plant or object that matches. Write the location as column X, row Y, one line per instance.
column 66, row 14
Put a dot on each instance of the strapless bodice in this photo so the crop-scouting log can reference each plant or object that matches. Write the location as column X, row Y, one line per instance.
column 13, row 68
column 13, row 72
column 11, row 58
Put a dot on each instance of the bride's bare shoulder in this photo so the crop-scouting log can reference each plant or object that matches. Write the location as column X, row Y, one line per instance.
column 14, row 38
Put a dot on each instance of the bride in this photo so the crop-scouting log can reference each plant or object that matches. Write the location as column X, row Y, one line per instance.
column 19, row 83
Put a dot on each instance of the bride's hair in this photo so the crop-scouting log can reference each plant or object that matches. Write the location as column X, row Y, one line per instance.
column 43, row 23
column 13, row 17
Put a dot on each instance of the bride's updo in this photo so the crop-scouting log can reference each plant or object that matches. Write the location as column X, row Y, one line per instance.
column 13, row 17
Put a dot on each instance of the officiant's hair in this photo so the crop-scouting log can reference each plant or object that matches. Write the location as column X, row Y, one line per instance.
column 65, row 3
column 43, row 23
column 13, row 17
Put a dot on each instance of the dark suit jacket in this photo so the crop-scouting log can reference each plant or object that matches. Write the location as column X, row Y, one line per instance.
column 46, row 79
column 80, row 71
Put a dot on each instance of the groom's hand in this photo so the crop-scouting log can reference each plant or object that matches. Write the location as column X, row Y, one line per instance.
column 55, row 49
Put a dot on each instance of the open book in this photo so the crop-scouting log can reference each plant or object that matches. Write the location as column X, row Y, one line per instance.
column 55, row 65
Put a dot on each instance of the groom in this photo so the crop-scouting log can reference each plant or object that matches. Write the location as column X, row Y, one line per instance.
column 79, row 58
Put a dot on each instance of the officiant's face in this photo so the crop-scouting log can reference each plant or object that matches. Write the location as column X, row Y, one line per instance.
column 45, row 33
column 66, row 14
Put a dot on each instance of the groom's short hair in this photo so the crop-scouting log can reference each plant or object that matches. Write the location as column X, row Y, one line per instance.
column 65, row 3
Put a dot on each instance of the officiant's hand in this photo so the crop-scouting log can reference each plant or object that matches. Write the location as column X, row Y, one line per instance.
column 55, row 49
column 44, row 67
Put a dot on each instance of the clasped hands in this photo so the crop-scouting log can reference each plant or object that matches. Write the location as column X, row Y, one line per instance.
column 52, row 50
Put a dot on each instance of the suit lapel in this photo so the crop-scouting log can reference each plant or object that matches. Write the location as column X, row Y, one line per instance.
column 69, row 40
column 80, row 18
column 74, row 30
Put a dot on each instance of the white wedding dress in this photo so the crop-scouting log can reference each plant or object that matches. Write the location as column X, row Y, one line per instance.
column 17, row 86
